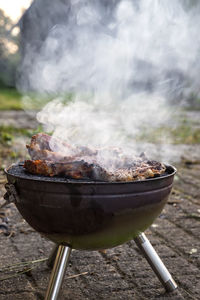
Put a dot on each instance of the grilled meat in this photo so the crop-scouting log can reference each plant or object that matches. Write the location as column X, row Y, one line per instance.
column 84, row 163
column 140, row 172
column 45, row 147
column 75, row 170
column 83, row 170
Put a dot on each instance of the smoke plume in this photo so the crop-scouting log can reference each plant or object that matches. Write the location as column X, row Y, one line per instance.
column 123, row 64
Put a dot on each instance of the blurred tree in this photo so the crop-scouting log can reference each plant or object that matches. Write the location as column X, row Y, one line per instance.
column 9, row 55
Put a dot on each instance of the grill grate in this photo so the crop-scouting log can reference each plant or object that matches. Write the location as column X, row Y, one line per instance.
column 19, row 171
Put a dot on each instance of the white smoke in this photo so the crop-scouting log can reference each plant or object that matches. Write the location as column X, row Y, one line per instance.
column 100, row 123
column 121, row 69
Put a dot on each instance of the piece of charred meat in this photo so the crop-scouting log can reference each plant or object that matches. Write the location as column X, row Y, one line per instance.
column 141, row 171
column 52, row 157
column 45, row 147
column 75, row 170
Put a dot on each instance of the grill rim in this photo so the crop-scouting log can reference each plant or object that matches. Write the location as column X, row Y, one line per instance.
column 82, row 181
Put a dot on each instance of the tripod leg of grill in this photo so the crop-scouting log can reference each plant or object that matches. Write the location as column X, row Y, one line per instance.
column 155, row 262
column 52, row 256
column 58, row 273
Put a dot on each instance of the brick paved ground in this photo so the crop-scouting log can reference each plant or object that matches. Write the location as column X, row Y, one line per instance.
column 121, row 272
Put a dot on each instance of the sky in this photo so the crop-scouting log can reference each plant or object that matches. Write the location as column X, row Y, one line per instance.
column 14, row 8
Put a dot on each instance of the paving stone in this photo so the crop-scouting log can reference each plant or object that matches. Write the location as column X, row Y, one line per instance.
column 18, row 296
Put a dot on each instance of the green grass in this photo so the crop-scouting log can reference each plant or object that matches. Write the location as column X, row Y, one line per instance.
column 8, row 133
column 10, row 99
column 186, row 134
column 182, row 134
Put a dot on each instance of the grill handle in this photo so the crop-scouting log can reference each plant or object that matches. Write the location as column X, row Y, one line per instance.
column 11, row 196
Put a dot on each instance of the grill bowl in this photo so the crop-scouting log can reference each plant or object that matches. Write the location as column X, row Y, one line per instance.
column 89, row 215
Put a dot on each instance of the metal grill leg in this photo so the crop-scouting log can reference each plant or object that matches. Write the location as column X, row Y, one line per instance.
column 155, row 262
column 52, row 256
column 58, row 273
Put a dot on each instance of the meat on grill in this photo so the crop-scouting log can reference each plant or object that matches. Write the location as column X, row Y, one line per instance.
column 75, row 170
column 83, row 162
column 41, row 145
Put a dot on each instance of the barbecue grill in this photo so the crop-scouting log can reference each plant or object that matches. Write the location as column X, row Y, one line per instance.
column 90, row 215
